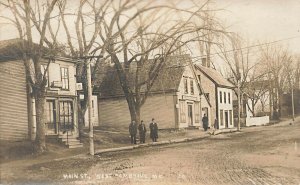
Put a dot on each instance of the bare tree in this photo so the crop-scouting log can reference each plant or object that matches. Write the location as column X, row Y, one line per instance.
column 275, row 59
column 237, row 59
column 136, row 36
column 256, row 89
column 81, row 42
column 32, row 21
column 140, row 42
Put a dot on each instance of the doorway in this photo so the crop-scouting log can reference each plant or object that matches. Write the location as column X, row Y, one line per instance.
column 226, row 119
column 66, row 122
column 50, row 112
column 190, row 114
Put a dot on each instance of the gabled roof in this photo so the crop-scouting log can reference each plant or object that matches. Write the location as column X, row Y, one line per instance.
column 168, row 79
column 215, row 76
column 12, row 50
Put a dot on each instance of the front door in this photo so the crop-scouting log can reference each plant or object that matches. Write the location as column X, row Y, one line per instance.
column 226, row 119
column 66, row 122
column 50, row 113
column 190, row 114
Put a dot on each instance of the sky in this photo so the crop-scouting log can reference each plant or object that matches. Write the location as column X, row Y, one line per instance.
column 263, row 20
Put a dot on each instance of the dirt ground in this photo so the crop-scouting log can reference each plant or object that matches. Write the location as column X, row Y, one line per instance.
column 262, row 155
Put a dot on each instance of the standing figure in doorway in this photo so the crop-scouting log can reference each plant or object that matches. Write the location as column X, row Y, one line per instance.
column 153, row 130
column 205, row 122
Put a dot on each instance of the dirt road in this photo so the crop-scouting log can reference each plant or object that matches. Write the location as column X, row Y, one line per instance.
column 265, row 155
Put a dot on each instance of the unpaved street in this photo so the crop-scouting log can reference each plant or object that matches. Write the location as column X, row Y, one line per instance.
column 262, row 155
column 269, row 155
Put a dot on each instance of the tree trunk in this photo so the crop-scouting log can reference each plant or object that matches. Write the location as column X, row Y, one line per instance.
column 81, row 120
column 253, row 106
column 131, row 107
column 138, row 114
column 40, row 141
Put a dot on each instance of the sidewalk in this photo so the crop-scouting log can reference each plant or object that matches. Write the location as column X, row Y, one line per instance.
column 165, row 137
column 120, row 140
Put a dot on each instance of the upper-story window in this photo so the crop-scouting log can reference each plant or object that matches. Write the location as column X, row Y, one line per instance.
column 192, row 86
column 229, row 101
column 224, row 97
column 220, row 97
column 43, row 70
column 207, row 95
column 186, row 90
column 199, row 78
column 64, row 78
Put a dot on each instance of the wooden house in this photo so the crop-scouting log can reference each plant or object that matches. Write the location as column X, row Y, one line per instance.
column 17, row 105
column 219, row 92
column 175, row 99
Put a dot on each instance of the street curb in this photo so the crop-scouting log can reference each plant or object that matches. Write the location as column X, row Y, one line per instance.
column 98, row 152
column 159, row 143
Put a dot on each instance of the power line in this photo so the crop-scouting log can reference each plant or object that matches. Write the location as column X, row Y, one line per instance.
column 190, row 57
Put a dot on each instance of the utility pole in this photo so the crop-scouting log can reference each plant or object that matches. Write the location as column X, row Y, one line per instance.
column 239, row 105
column 89, row 84
column 90, row 91
column 293, row 106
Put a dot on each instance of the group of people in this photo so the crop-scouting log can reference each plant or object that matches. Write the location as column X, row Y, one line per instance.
column 133, row 128
column 141, row 128
column 205, row 123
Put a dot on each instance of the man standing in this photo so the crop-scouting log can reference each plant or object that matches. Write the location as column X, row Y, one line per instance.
column 205, row 122
column 133, row 131
column 142, row 131
column 153, row 131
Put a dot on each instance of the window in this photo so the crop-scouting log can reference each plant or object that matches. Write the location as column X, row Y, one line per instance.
column 199, row 78
column 229, row 101
column 221, row 117
column 207, row 95
column 192, row 86
column 43, row 69
column 93, row 109
column 64, row 77
column 65, row 115
column 197, row 112
column 186, row 90
column 230, row 117
column 182, row 111
column 220, row 97
column 224, row 97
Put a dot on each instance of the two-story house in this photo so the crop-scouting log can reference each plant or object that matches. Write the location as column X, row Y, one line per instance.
column 219, row 92
column 17, row 105
column 174, row 99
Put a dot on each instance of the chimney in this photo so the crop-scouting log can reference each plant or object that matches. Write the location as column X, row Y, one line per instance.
column 205, row 62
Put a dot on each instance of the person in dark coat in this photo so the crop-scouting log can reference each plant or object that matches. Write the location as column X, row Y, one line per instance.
column 142, row 132
column 216, row 125
column 153, row 130
column 205, row 122
column 133, row 132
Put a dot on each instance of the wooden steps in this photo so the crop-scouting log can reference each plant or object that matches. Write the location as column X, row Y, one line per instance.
column 70, row 141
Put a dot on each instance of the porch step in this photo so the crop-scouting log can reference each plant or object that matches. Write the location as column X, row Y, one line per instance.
column 75, row 145
column 70, row 141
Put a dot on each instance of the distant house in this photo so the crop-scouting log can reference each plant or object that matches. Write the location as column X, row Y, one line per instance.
column 174, row 100
column 17, row 105
column 219, row 92
column 95, row 117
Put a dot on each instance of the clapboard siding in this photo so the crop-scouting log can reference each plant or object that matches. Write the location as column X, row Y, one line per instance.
column 13, row 101
column 161, row 107
column 115, row 112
